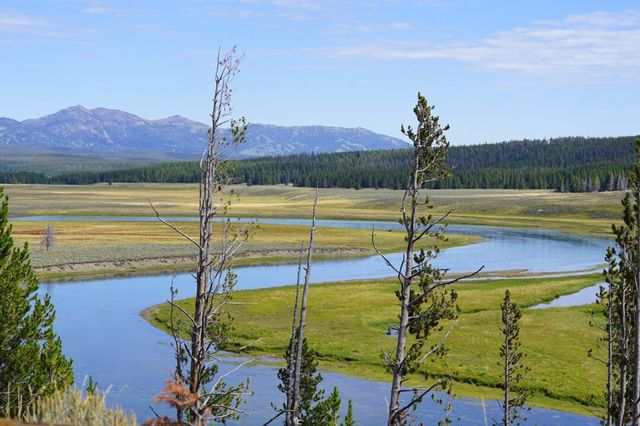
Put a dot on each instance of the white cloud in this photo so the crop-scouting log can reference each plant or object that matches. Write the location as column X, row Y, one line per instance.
column 12, row 22
column 589, row 47
column 16, row 28
column 399, row 25
column 99, row 10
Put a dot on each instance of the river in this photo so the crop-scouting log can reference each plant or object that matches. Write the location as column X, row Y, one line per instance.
column 102, row 330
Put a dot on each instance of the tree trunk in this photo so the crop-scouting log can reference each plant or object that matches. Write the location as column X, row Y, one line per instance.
column 609, row 357
column 396, row 384
column 623, row 399
column 303, row 317
column 506, row 419
column 636, row 317
column 211, row 281
column 293, row 347
column 623, row 356
column 203, row 274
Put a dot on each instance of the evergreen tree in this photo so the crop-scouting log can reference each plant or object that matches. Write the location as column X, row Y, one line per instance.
column 564, row 164
column 314, row 410
column 425, row 296
column 349, row 420
column 327, row 412
column 617, row 308
column 31, row 360
column 514, row 369
column 623, row 277
column 310, row 377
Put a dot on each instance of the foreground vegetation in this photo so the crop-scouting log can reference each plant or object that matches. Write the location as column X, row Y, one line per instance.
column 72, row 407
column 587, row 213
column 32, row 363
column 348, row 325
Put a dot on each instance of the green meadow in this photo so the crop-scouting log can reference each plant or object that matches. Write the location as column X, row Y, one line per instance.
column 347, row 325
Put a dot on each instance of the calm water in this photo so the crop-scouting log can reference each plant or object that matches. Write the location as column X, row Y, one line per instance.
column 102, row 330
column 585, row 296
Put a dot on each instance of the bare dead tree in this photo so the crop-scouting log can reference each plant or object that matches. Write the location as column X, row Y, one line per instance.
column 293, row 347
column 286, row 375
column 209, row 324
column 424, row 294
column 295, row 398
column 300, row 378
column 48, row 237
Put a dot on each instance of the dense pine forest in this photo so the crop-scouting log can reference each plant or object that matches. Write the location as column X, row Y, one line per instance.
column 573, row 164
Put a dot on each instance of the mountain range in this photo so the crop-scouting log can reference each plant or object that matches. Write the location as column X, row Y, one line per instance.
column 103, row 132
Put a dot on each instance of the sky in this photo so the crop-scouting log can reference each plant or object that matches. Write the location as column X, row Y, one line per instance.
column 495, row 70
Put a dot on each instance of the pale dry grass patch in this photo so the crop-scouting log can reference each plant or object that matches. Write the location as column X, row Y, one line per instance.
column 587, row 213
column 74, row 408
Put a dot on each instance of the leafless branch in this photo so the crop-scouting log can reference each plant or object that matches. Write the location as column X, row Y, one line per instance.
column 386, row 260
column 440, row 343
column 172, row 226
column 184, row 312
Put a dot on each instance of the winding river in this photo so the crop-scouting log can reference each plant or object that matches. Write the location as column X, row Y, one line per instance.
column 102, row 330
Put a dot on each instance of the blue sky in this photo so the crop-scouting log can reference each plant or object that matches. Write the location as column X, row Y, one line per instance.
column 496, row 70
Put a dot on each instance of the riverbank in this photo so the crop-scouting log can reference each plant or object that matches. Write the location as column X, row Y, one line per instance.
column 581, row 213
column 348, row 324
column 98, row 249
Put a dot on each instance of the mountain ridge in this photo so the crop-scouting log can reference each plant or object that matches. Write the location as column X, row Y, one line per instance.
column 104, row 131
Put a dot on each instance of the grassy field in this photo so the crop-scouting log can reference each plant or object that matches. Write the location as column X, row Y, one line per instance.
column 590, row 213
column 106, row 242
column 348, row 321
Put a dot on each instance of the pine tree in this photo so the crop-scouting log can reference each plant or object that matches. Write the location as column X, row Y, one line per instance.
column 615, row 300
column 623, row 277
column 512, row 362
column 327, row 412
column 424, row 294
column 349, row 420
column 31, row 360
column 310, row 377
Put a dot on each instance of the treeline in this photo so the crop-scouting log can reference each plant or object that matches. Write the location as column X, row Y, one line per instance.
column 564, row 164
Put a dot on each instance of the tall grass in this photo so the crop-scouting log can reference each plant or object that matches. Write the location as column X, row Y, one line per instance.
column 72, row 407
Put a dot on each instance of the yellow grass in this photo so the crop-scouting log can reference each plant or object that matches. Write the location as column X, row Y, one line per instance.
column 103, row 246
column 262, row 235
column 582, row 213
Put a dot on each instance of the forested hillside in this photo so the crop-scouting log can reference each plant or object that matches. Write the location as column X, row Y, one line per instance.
column 565, row 164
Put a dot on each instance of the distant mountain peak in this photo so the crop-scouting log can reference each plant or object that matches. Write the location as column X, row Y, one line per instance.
column 101, row 131
column 176, row 119
column 73, row 110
